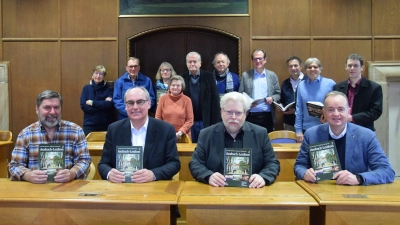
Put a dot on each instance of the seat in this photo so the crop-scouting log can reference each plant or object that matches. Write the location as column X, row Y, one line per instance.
column 283, row 136
column 96, row 136
column 185, row 139
column 5, row 135
column 92, row 172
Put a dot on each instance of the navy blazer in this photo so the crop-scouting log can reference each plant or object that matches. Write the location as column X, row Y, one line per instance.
column 367, row 103
column 208, row 156
column 364, row 155
column 288, row 96
column 160, row 152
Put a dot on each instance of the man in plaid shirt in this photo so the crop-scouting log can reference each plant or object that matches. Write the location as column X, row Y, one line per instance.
column 50, row 129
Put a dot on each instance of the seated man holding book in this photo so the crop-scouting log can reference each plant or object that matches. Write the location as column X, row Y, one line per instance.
column 362, row 160
column 50, row 130
column 234, row 133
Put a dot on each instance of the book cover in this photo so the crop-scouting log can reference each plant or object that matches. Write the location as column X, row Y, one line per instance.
column 253, row 101
column 324, row 159
column 285, row 108
column 160, row 92
column 129, row 160
column 314, row 108
column 237, row 167
column 51, row 159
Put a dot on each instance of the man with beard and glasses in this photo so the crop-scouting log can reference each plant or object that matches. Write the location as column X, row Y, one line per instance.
column 50, row 129
column 207, row 166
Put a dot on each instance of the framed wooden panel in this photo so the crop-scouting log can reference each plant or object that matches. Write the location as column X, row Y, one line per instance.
column 386, row 17
column 387, row 49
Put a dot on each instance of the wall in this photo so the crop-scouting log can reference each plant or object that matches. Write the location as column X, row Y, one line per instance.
column 53, row 44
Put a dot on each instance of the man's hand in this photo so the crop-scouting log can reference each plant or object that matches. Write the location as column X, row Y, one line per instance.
column 35, row 176
column 142, row 176
column 116, row 176
column 64, row 176
column 290, row 111
column 108, row 99
column 300, row 137
column 310, row 176
column 217, row 180
column 345, row 177
column 256, row 181
column 269, row 100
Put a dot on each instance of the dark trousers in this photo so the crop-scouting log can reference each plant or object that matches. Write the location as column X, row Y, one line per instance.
column 263, row 119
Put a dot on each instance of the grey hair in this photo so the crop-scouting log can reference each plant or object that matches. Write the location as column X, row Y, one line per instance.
column 146, row 92
column 47, row 94
column 236, row 97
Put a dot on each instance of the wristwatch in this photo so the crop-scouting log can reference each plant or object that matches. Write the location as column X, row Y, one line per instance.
column 360, row 179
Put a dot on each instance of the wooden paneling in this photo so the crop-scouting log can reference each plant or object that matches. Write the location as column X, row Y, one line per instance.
column 89, row 18
column 280, row 18
column 386, row 17
column 340, row 18
column 77, row 60
column 35, row 68
column 30, row 19
column 387, row 50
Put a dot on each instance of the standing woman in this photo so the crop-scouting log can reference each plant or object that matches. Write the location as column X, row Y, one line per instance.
column 96, row 102
column 164, row 73
column 176, row 108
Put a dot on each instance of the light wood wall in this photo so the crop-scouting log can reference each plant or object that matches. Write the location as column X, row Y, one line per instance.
column 53, row 44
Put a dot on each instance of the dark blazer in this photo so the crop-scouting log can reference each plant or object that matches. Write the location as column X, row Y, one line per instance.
column 160, row 152
column 288, row 96
column 208, row 156
column 364, row 155
column 209, row 97
column 367, row 104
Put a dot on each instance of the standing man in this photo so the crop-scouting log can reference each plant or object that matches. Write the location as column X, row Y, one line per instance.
column 365, row 96
column 361, row 157
column 288, row 91
column 160, row 155
column 261, row 83
column 207, row 161
column 50, row 129
column 226, row 80
column 132, row 78
column 201, row 88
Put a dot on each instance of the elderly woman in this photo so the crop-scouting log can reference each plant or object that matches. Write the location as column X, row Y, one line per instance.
column 164, row 73
column 176, row 108
column 96, row 102
column 312, row 89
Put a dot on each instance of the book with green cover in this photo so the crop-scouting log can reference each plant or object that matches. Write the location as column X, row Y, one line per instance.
column 51, row 159
column 129, row 160
column 237, row 167
column 324, row 159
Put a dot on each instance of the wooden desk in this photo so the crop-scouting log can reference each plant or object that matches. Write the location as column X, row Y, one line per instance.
column 339, row 204
column 280, row 203
column 5, row 153
column 95, row 151
column 74, row 203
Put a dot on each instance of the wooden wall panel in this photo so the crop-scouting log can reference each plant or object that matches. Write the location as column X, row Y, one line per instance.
column 387, row 17
column 387, row 50
column 30, row 19
column 280, row 18
column 77, row 60
column 35, row 68
column 340, row 18
column 333, row 54
column 89, row 18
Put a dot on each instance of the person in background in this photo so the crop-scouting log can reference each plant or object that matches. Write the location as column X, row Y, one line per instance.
column 288, row 91
column 132, row 78
column 164, row 73
column 50, row 129
column 312, row 89
column 176, row 108
column 226, row 80
column 201, row 88
column 96, row 102
column 361, row 157
column 365, row 96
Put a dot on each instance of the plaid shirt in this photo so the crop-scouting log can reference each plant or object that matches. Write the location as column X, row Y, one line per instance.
column 25, row 154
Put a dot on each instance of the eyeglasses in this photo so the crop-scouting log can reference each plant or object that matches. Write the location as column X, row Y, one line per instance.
column 134, row 67
column 98, row 74
column 258, row 59
column 139, row 102
column 313, row 67
column 353, row 65
column 165, row 70
column 231, row 113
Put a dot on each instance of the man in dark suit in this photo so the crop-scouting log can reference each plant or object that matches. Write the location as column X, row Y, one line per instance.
column 201, row 88
column 207, row 164
column 160, row 155
column 365, row 96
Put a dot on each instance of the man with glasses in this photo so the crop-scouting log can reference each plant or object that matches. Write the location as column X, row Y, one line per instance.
column 260, row 83
column 365, row 96
column 132, row 78
column 207, row 161
column 157, row 138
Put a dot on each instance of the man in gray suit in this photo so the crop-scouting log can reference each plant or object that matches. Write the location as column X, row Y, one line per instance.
column 260, row 83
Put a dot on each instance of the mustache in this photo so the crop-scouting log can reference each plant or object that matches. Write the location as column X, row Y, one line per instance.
column 233, row 121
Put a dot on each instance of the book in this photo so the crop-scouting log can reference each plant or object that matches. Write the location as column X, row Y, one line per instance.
column 314, row 108
column 51, row 159
column 253, row 101
column 285, row 108
column 237, row 167
column 160, row 92
column 129, row 160
column 324, row 159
